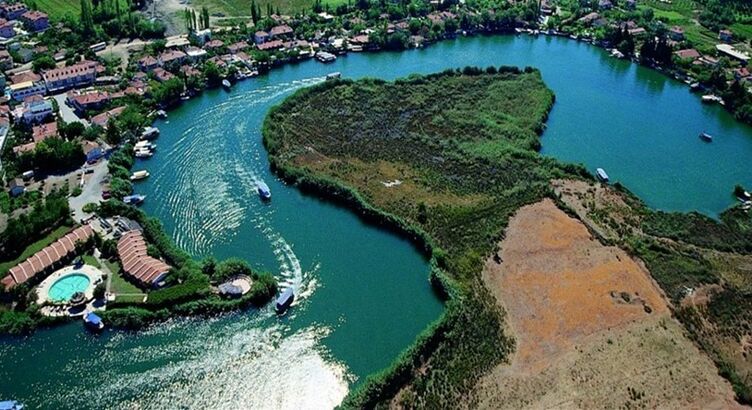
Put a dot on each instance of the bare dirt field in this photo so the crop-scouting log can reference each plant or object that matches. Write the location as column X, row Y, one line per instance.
column 592, row 328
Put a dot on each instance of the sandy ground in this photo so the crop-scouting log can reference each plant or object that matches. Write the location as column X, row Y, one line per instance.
column 592, row 328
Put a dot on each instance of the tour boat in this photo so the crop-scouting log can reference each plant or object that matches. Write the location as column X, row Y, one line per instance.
column 134, row 199
column 139, row 175
column 93, row 322
column 150, row 133
column 226, row 83
column 143, row 153
column 325, row 57
column 263, row 190
column 144, row 146
column 706, row 137
column 284, row 301
column 601, row 174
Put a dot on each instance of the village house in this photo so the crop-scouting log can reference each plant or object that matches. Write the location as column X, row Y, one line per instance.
column 214, row 44
column 80, row 74
column 237, row 47
column 202, row 36
column 726, row 36
column 172, row 57
column 92, row 150
column 148, row 63
column 270, row 45
column 689, row 53
column 25, row 54
column 25, row 76
column 20, row 91
column 35, row 20
column 162, row 75
column 6, row 28
column 94, row 100
column 189, row 71
column 12, row 11
column 730, row 51
column 260, row 37
column 281, row 31
column 35, row 109
column 605, row 5
column 195, row 54
column 6, row 61
column 742, row 74
column 104, row 118
column 676, row 33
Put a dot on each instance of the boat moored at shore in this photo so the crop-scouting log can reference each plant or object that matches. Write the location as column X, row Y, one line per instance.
column 226, row 83
column 93, row 322
column 601, row 174
column 138, row 175
column 134, row 199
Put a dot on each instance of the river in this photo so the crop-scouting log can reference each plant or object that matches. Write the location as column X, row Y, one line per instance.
column 364, row 292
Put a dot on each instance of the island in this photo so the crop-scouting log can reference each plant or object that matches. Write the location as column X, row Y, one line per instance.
column 558, row 288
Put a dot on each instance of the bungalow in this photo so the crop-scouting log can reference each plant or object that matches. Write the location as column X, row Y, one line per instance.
column 589, row 18
column 34, row 109
column 147, row 63
column 24, row 148
column 35, row 20
column 44, row 131
column 25, row 76
column 726, row 36
column 20, row 91
column 136, row 261
column 280, row 31
column 83, row 73
column 6, row 29
column 88, row 101
column 270, row 45
column 162, row 75
column 689, row 53
column 48, row 258
column 25, row 54
column 177, row 41
column 104, row 118
column 605, row 5
column 12, row 11
column 189, row 71
column 732, row 52
column 676, row 33
column 260, row 37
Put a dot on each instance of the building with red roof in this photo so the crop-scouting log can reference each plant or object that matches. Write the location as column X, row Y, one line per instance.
column 83, row 73
column 136, row 262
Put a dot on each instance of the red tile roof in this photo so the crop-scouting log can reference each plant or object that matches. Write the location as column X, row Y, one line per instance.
column 136, row 262
column 47, row 257
column 270, row 45
column 76, row 70
column 44, row 131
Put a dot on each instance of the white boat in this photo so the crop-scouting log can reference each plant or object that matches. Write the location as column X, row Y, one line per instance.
column 139, row 175
column 325, row 57
column 333, row 76
column 144, row 146
column 226, row 83
column 134, row 199
column 709, row 98
column 144, row 154
column 150, row 133
column 602, row 175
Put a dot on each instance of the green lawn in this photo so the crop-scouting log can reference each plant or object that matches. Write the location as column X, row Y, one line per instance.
column 120, row 285
column 90, row 260
column 58, row 9
column 35, row 247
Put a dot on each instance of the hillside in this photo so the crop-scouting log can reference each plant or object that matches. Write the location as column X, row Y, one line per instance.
column 449, row 159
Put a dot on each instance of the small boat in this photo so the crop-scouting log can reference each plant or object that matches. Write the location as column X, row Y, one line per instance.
column 134, row 199
column 226, row 83
column 93, row 322
column 284, row 301
column 706, row 137
column 602, row 175
column 142, row 153
column 11, row 405
column 712, row 98
column 263, row 190
column 333, row 76
column 150, row 133
column 144, row 145
column 162, row 114
column 139, row 175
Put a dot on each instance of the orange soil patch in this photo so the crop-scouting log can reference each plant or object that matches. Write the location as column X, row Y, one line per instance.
column 558, row 284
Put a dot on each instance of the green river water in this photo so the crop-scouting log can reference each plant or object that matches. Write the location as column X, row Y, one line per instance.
column 363, row 293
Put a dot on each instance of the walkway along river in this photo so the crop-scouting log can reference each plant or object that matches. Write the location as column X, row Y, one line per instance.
column 365, row 293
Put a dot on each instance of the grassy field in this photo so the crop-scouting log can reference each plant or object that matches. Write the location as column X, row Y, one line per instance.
column 121, row 286
column 57, row 9
column 90, row 260
column 35, row 247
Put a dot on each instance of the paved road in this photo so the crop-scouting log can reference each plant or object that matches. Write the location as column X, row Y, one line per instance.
column 90, row 192
column 66, row 112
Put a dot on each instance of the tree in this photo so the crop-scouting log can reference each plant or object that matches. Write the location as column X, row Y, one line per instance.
column 205, row 17
column 72, row 130
column 42, row 62
column 113, row 136
column 212, row 73
column 100, row 290
column 231, row 267
column 254, row 12
column 87, row 19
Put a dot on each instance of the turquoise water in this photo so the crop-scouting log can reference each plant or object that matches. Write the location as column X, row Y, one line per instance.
column 64, row 288
column 363, row 292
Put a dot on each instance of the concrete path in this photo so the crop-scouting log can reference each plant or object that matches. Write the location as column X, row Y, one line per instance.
column 66, row 112
column 91, row 191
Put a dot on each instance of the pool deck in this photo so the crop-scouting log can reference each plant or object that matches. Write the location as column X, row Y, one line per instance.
column 95, row 277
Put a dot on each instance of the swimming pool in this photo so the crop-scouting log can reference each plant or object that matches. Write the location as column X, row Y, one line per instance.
column 65, row 287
